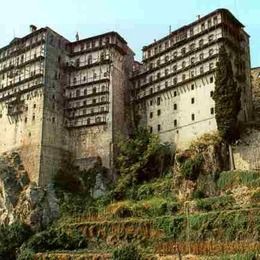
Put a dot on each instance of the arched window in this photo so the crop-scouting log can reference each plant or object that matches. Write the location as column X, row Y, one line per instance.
column 89, row 59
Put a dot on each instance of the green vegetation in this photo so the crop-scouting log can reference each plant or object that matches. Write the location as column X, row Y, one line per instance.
column 141, row 158
column 11, row 238
column 231, row 179
column 227, row 98
column 129, row 252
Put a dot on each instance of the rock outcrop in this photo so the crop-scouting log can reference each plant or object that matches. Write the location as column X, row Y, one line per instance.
column 22, row 200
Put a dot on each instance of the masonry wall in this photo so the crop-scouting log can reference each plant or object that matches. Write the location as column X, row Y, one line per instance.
column 55, row 139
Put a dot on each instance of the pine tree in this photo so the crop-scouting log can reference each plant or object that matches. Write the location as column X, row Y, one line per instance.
column 227, row 98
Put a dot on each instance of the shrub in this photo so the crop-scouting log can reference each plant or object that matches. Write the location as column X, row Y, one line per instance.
column 191, row 167
column 198, row 194
column 129, row 252
column 26, row 254
column 11, row 238
column 54, row 239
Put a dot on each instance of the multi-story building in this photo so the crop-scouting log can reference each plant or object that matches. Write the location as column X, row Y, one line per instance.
column 60, row 98
column 173, row 88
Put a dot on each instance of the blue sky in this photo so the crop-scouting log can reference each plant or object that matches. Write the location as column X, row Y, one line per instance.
column 138, row 21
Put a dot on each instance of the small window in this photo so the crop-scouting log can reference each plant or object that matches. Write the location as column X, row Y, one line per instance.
column 158, row 62
column 151, row 129
column 211, row 79
column 158, row 101
column 174, row 67
column 53, row 120
column 183, row 77
column 175, row 93
column 25, row 120
column 174, row 81
column 211, row 51
column 175, row 106
column 192, row 100
column 158, row 75
column 202, row 26
column 151, row 114
column 166, row 84
column 175, row 54
column 212, row 111
column 94, row 90
column 192, row 86
column 33, row 117
column 151, row 102
column 166, row 58
column 211, row 65
column 34, row 105
column 201, row 56
column 211, row 37
column 158, row 112
column 192, row 60
column 183, row 51
column 183, row 64
column 201, row 42
column 151, row 91
column 166, row 71
column 94, row 101
column 192, row 117
column 209, row 23
column 191, row 31
column 175, row 122
column 159, row 128
column 192, row 46
column 201, row 69
column 211, row 93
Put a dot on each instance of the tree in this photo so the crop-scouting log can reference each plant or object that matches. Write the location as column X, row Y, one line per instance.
column 227, row 98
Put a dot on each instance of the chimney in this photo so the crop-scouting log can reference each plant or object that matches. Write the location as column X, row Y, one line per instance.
column 170, row 29
column 198, row 17
column 33, row 28
column 77, row 36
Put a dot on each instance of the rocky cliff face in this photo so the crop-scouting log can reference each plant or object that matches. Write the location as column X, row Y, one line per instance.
column 20, row 199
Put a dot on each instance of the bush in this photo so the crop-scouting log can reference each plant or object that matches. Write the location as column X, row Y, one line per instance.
column 55, row 239
column 191, row 167
column 198, row 194
column 129, row 252
column 11, row 238
column 26, row 254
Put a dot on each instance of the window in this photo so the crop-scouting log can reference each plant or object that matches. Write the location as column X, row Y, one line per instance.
column 175, row 93
column 192, row 117
column 174, row 81
column 211, row 93
column 94, row 90
column 202, row 26
column 158, row 75
column 215, row 20
column 201, row 42
column 211, row 79
column 158, row 62
column 201, row 56
column 151, row 129
column 33, row 117
column 166, row 45
column 166, row 58
column 183, row 76
column 191, row 31
column 192, row 86
column 209, row 23
column 211, row 51
column 166, row 84
column 151, row 91
column 25, row 120
column 74, row 80
column 151, row 114
column 158, row 112
column 183, row 64
column 94, row 101
column 166, row 71
column 211, row 37
column 98, row 119
column 158, row 101
column 151, row 79
column 88, row 121
column 53, row 120
column 175, row 122
column 192, row 46
column 77, row 93
column 151, row 102
column 183, row 50
column 192, row 74
column 85, row 92
column 212, row 111
column 192, row 60
column 175, row 54
column 175, row 107
column 159, row 128
column 34, row 105
column 201, row 69
column 192, row 100
column 211, row 65
column 174, row 68
column 158, row 88
column 89, row 59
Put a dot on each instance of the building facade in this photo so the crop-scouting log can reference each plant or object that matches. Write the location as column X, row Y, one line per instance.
column 60, row 98
column 173, row 88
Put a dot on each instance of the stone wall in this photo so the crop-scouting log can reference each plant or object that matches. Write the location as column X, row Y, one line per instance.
column 247, row 151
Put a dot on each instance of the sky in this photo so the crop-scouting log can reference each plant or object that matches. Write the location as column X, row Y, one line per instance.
column 138, row 21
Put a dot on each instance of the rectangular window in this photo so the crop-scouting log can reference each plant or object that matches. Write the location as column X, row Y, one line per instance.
column 151, row 114
column 212, row 111
column 175, row 122
column 159, row 112
column 151, row 102
column 175, row 106
column 211, row 79
column 158, row 101
column 151, row 129
column 192, row 86
column 192, row 100
column 175, row 93
column 192, row 117
column 211, row 93
column 159, row 128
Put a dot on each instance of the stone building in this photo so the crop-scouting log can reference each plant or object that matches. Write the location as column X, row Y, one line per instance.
column 255, row 74
column 60, row 98
column 173, row 88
